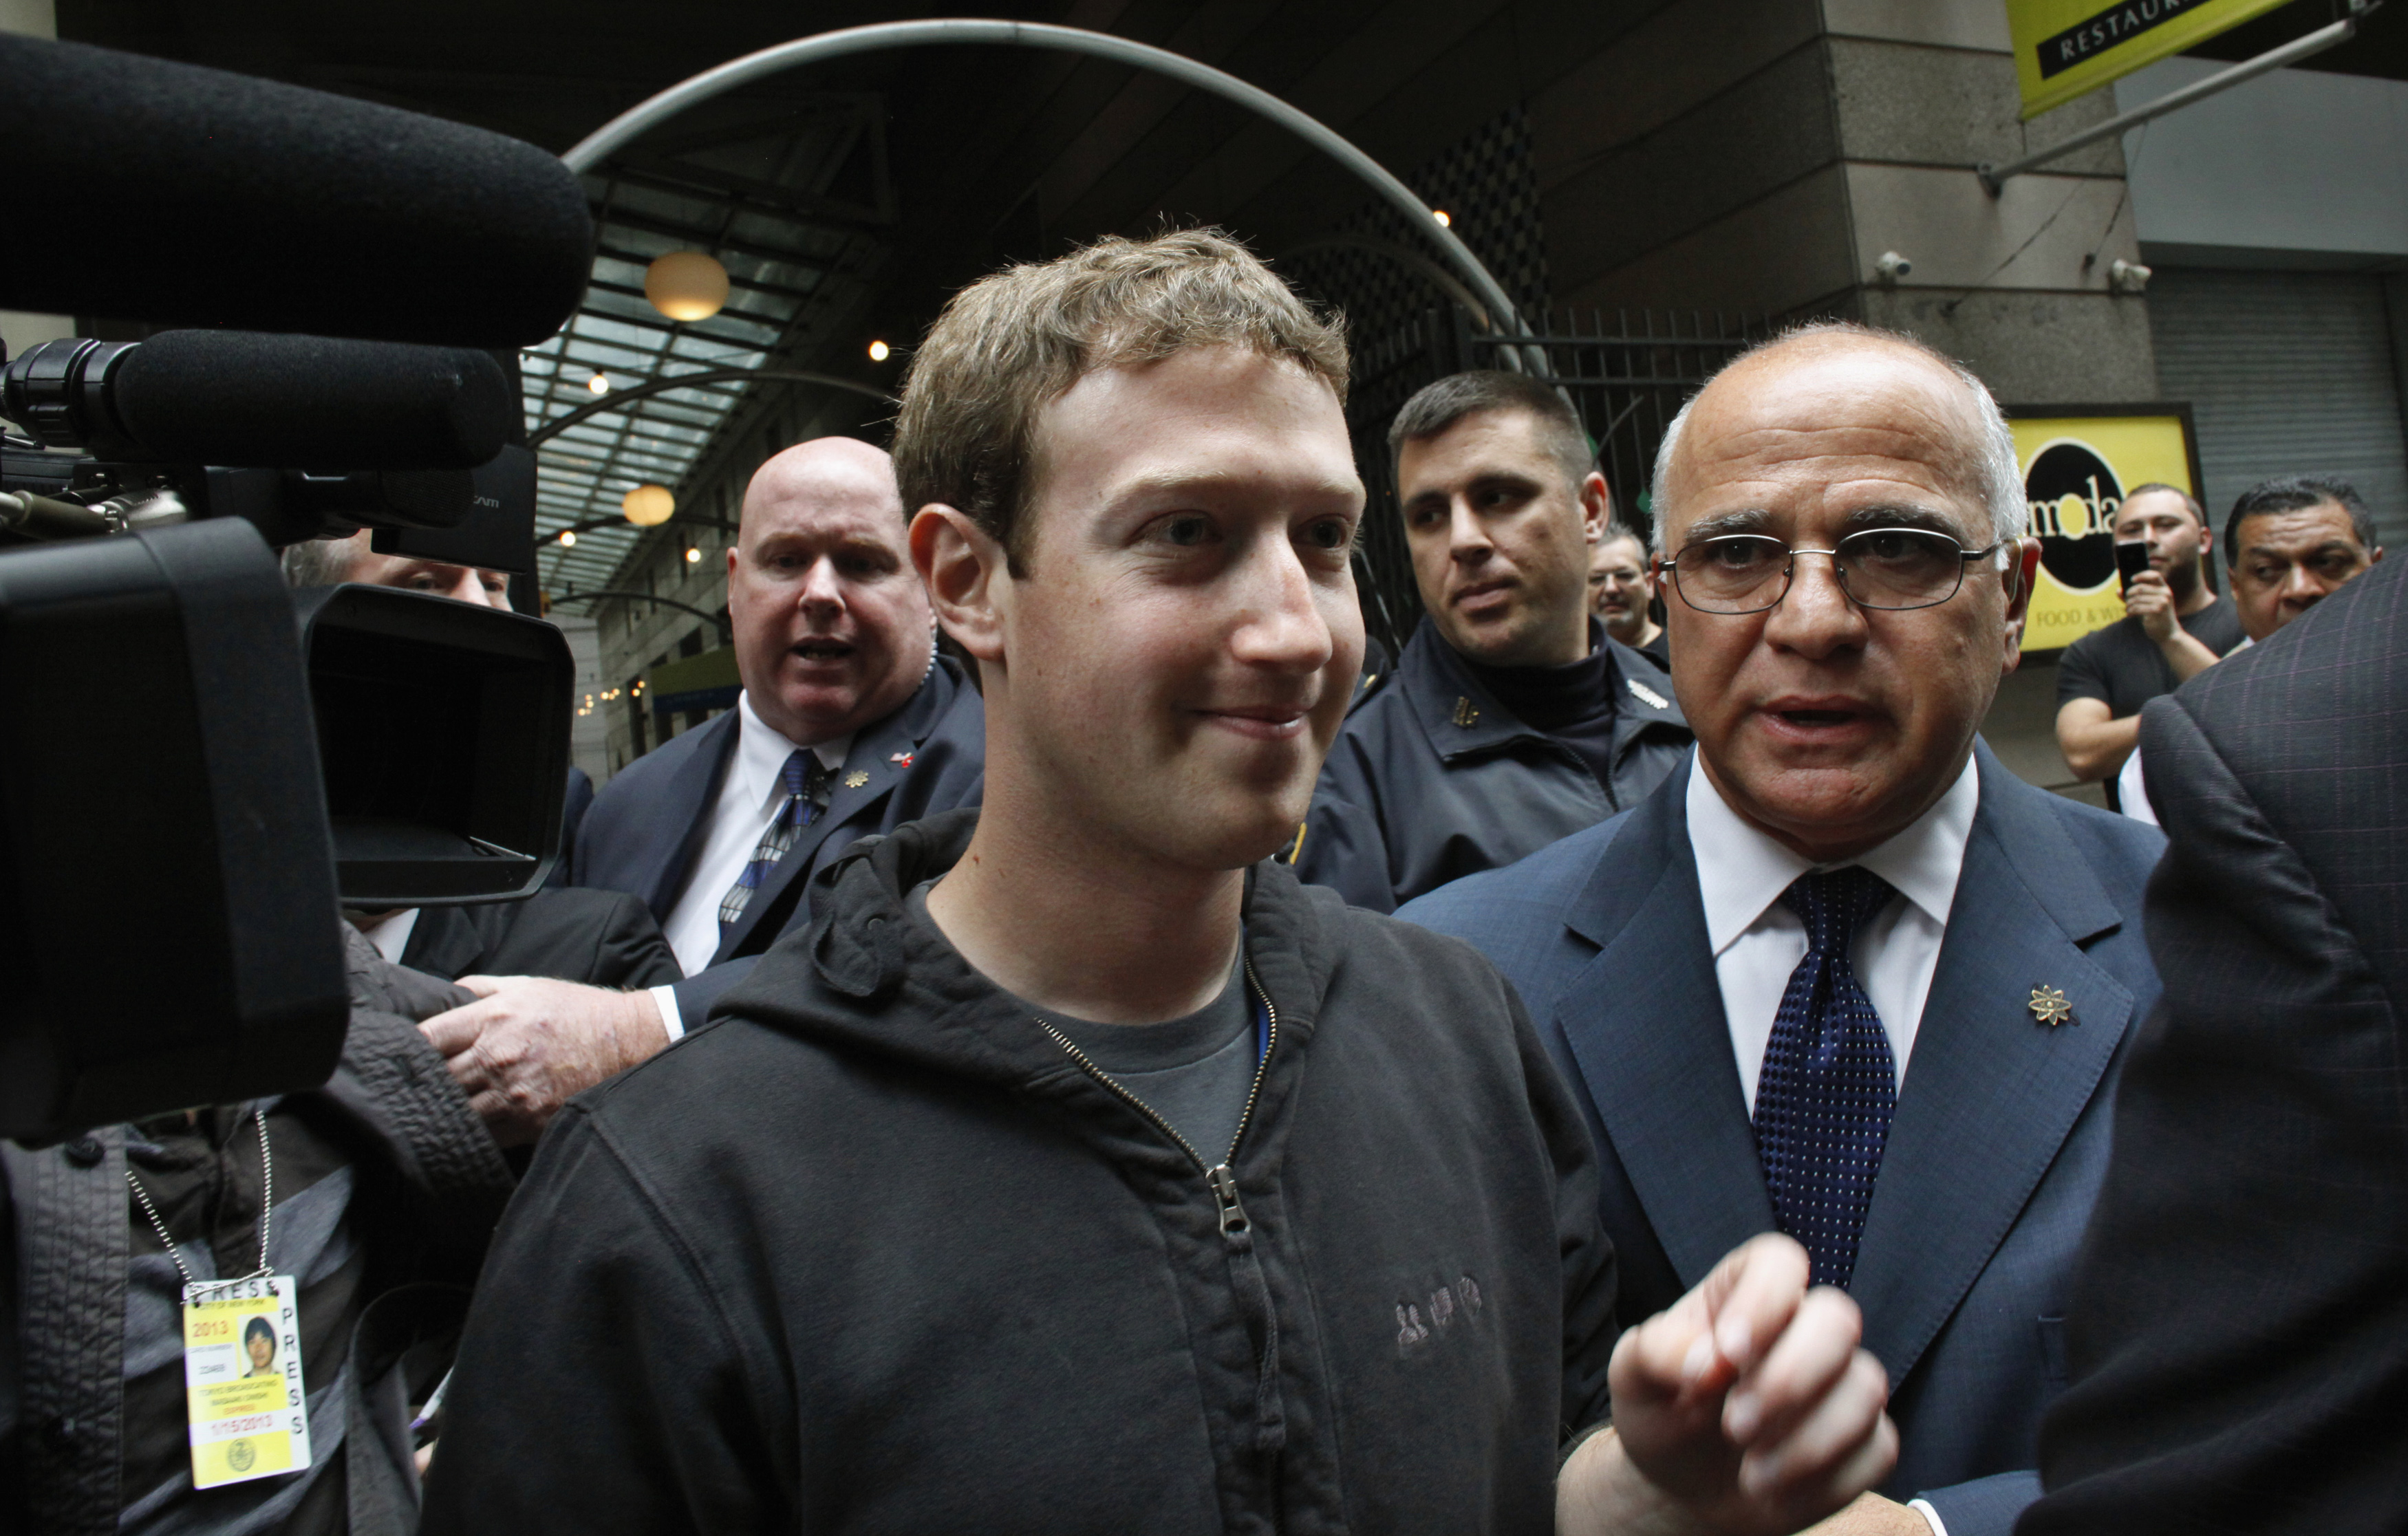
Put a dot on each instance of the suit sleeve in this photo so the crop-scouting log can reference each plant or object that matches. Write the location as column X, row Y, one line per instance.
column 630, row 950
column 601, row 1384
column 2239, row 1319
column 1341, row 845
column 1987, row 1506
column 697, row 992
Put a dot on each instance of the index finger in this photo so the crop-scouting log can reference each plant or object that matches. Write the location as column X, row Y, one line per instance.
column 455, row 1031
column 485, row 986
column 1753, row 1294
column 1682, row 1352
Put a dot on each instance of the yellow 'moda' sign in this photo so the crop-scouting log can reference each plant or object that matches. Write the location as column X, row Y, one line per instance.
column 2065, row 47
column 2077, row 469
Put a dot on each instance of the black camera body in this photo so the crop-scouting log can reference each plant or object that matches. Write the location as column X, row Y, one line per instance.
column 162, row 832
column 198, row 766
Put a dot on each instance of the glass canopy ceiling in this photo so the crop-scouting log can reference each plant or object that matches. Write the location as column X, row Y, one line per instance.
column 755, row 194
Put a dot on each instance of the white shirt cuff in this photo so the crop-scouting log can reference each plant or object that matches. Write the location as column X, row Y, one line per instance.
column 1923, row 1507
column 665, row 998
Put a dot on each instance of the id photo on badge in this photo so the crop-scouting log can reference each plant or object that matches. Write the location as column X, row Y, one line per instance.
column 259, row 1343
column 242, row 1376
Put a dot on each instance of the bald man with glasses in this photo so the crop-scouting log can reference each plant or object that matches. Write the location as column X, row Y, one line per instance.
column 1844, row 976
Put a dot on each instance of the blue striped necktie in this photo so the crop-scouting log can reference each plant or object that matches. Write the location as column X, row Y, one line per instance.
column 806, row 779
column 1830, row 1084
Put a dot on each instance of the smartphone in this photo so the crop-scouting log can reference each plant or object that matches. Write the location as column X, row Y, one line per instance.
column 2130, row 560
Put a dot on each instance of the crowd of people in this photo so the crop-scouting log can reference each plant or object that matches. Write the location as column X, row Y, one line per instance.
column 2288, row 544
column 1637, row 1063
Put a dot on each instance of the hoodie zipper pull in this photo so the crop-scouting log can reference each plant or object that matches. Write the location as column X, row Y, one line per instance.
column 1224, row 1193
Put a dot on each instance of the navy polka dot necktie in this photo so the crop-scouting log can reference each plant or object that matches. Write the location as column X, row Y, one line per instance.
column 1828, row 1086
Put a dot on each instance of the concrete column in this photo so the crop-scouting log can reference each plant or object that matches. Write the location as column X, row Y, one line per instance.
column 1764, row 154
column 2016, row 285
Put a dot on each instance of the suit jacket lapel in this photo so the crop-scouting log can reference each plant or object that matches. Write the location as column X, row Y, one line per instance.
column 878, row 758
column 1644, row 1020
column 685, row 805
column 1990, row 1091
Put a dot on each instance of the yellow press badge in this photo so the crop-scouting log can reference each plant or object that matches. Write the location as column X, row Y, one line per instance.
column 242, row 1380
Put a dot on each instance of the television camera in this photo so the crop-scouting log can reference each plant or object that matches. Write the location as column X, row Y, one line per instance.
column 196, row 763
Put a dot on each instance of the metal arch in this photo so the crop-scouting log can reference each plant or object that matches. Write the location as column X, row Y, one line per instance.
column 707, row 376
column 623, row 130
column 724, row 625
column 1439, row 277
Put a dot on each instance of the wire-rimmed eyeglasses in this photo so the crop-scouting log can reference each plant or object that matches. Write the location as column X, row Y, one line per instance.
column 1889, row 569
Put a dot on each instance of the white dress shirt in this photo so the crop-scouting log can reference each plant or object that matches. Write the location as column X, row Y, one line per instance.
column 749, row 798
column 391, row 935
column 1757, row 940
column 2132, row 791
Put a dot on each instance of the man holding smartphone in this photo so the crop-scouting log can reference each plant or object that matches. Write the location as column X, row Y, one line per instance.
column 2175, row 628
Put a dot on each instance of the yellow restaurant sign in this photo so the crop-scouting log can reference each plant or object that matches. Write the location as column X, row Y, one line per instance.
column 2078, row 463
column 2066, row 48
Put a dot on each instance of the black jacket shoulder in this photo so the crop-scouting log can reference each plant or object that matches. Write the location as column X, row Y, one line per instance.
column 1432, row 778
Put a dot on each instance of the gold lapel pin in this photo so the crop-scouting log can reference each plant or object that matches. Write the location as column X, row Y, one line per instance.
column 1466, row 711
column 2048, row 1005
column 856, row 779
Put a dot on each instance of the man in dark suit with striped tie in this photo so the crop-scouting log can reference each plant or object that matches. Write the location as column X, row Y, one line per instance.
column 850, row 723
column 1844, row 976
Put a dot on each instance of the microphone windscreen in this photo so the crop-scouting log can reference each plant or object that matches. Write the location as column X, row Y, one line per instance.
column 305, row 402
column 180, row 195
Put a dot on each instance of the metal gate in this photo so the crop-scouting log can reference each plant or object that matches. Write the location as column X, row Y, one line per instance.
column 1626, row 371
column 2288, row 373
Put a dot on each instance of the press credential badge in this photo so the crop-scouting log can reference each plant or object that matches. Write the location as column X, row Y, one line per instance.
column 242, row 1380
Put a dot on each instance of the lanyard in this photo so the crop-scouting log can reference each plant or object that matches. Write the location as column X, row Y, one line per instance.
column 267, row 1205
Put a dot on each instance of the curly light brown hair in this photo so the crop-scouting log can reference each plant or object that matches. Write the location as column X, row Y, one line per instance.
column 1012, row 343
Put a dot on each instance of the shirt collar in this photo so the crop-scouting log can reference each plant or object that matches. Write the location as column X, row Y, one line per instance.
column 762, row 751
column 1742, row 870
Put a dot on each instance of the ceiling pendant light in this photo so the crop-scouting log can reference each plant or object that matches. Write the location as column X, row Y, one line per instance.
column 648, row 506
column 686, row 285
